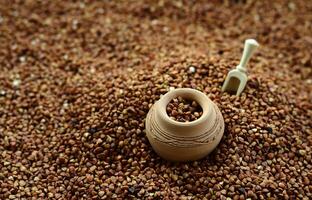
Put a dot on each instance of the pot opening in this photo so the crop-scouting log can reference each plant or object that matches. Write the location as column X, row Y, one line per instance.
column 183, row 109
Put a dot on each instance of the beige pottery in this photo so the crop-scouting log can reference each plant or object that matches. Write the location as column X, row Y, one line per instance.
column 184, row 141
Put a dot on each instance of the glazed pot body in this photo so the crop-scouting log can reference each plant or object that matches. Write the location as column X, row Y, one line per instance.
column 184, row 141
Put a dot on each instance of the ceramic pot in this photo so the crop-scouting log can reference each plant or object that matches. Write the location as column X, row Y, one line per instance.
column 184, row 141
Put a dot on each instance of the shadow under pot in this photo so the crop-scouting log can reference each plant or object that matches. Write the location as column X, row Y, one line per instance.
column 184, row 141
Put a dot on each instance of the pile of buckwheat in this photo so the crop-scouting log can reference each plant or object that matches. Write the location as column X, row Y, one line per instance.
column 184, row 110
column 77, row 79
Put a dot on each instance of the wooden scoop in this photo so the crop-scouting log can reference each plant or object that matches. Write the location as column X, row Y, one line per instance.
column 236, row 79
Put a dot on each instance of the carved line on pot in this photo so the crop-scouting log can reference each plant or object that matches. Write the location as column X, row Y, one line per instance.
column 169, row 136
column 185, row 141
column 164, row 133
column 217, row 120
column 190, row 144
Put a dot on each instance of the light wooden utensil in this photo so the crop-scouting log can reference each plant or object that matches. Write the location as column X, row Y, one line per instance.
column 236, row 79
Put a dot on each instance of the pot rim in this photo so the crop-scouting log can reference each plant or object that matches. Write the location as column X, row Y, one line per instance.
column 193, row 94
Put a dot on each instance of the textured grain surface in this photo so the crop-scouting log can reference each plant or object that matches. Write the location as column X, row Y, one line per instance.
column 77, row 80
column 183, row 110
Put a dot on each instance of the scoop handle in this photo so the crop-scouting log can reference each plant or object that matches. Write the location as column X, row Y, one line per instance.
column 250, row 46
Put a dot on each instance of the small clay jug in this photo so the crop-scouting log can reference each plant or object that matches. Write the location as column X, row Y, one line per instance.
column 184, row 141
